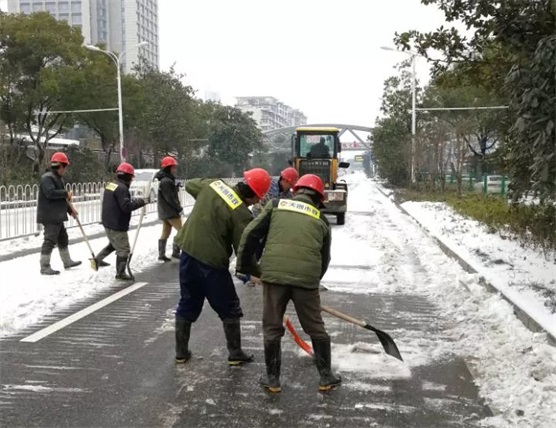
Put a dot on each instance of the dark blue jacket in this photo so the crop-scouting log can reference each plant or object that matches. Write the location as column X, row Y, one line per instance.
column 117, row 205
column 52, row 206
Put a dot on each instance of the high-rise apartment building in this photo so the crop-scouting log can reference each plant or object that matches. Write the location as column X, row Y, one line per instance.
column 118, row 24
column 269, row 113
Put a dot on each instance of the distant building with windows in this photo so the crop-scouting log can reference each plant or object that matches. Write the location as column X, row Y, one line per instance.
column 269, row 113
column 118, row 24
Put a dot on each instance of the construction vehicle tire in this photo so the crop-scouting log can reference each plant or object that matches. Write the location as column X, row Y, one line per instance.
column 340, row 218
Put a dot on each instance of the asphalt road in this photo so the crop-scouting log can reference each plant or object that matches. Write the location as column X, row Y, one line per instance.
column 115, row 368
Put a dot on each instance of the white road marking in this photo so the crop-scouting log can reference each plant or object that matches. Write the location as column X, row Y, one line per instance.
column 41, row 334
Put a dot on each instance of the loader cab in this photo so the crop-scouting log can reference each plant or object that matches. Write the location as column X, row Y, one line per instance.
column 316, row 143
column 317, row 146
column 316, row 150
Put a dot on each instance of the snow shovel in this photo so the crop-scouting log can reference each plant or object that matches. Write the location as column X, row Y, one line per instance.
column 93, row 260
column 387, row 342
column 143, row 211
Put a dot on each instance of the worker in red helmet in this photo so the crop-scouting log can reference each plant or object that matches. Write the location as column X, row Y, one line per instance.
column 53, row 206
column 297, row 241
column 210, row 234
column 117, row 206
column 169, row 206
column 279, row 188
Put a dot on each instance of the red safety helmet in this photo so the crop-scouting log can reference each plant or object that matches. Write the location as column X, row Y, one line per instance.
column 258, row 180
column 310, row 181
column 290, row 175
column 168, row 161
column 59, row 157
column 126, row 168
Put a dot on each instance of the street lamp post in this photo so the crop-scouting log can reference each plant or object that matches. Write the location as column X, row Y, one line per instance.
column 117, row 60
column 413, row 117
column 413, row 56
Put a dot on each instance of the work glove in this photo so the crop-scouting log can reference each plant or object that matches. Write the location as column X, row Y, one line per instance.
column 243, row 277
column 69, row 196
column 248, row 279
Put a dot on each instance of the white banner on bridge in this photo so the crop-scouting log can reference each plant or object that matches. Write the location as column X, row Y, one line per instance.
column 355, row 145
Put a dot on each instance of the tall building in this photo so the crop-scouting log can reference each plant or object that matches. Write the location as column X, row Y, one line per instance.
column 118, row 24
column 270, row 113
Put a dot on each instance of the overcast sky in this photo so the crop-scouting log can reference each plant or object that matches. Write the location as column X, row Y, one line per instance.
column 320, row 56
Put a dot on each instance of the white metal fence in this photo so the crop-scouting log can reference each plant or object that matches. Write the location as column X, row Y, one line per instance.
column 18, row 207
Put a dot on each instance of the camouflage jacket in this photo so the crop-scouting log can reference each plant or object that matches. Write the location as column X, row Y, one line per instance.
column 273, row 193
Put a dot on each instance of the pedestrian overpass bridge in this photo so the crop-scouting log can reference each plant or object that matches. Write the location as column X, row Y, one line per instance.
column 279, row 140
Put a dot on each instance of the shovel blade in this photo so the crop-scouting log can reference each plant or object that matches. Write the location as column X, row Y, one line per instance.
column 94, row 264
column 387, row 342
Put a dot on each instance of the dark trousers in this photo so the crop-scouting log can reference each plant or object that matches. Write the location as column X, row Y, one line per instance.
column 307, row 307
column 120, row 241
column 55, row 234
column 199, row 281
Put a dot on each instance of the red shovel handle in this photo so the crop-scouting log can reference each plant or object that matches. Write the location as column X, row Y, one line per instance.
column 302, row 344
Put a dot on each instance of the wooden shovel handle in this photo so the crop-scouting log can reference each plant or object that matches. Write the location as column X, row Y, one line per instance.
column 343, row 316
column 328, row 309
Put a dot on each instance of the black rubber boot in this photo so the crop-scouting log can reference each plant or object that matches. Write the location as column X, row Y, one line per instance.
column 66, row 258
column 105, row 252
column 328, row 381
column 236, row 355
column 162, row 250
column 120, row 269
column 45, row 265
column 183, row 331
column 176, row 251
column 273, row 361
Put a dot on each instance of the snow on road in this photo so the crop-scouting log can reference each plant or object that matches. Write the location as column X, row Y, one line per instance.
column 526, row 276
column 515, row 368
column 26, row 296
column 30, row 242
column 379, row 251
